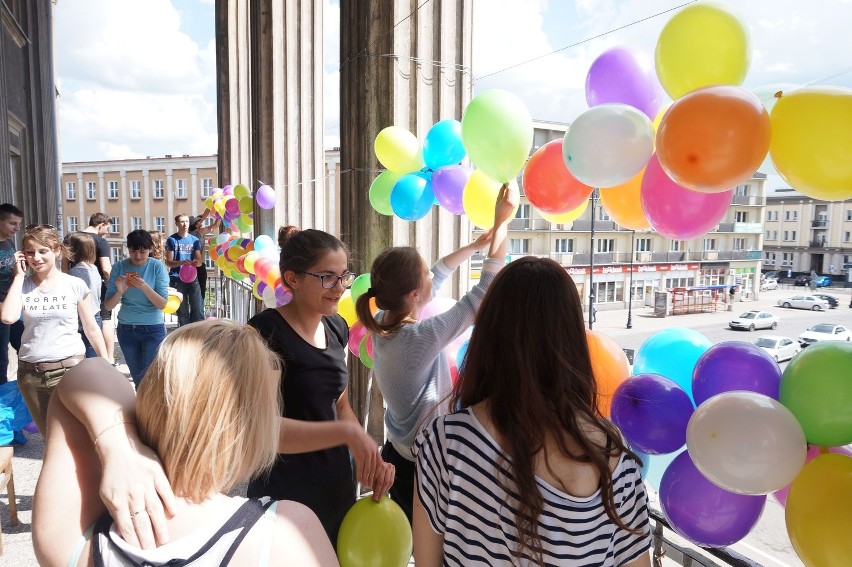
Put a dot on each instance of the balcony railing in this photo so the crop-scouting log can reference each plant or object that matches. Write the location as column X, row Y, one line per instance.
column 819, row 224
column 817, row 244
column 748, row 227
column 748, row 200
column 725, row 227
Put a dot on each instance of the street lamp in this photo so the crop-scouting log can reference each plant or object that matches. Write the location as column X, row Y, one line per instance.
column 630, row 292
column 593, row 198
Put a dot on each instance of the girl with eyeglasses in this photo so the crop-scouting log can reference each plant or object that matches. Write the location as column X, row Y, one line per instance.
column 320, row 430
column 410, row 366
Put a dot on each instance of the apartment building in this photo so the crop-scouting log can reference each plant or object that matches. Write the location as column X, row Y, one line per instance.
column 803, row 234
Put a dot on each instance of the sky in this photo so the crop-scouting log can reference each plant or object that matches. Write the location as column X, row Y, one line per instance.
column 137, row 78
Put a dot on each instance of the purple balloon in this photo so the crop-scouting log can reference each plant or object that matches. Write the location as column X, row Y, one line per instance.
column 265, row 197
column 31, row 427
column 735, row 365
column 448, row 185
column 702, row 512
column 625, row 75
column 652, row 412
column 228, row 189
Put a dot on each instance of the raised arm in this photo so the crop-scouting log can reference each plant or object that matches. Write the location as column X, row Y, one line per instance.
column 14, row 302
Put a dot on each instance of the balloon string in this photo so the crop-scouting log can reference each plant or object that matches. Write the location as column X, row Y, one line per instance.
column 823, row 450
column 843, row 71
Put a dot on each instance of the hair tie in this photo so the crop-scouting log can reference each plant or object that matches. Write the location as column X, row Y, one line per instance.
column 370, row 292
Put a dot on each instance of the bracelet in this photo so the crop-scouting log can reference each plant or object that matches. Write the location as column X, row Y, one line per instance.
column 107, row 428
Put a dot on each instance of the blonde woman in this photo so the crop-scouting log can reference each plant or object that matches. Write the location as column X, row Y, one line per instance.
column 100, row 430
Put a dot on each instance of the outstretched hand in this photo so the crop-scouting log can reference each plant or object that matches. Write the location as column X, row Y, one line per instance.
column 507, row 202
column 483, row 240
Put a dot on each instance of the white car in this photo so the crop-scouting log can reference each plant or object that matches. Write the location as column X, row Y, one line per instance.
column 766, row 285
column 779, row 348
column 804, row 302
column 825, row 332
column 751, row 320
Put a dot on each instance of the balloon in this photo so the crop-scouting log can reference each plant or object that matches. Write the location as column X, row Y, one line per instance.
column 623, row 204
column 283, row 296
column 443, row 144
column 265, row 197
column 172, row 304
column 811, row 143
column 398, row 150
column 652, row 412
column 608, row 145
column 246, row 205
column 659, row 117
column 375, row 534
column 672, row 353
column 412, row 197
column 813, row 452
column 768, row 96
column 263, row 241
column 448, row 185
column 746, row 442
column 565, row 218
column 624, row 75
column 346, row 308
column 497, row 132
column 31, row 427
column 818, row 511
column 817, row 387
column 702, row 512
column 365, row 351
column 188, row 273
column 676, row 212
column 437, row 306
column 610, row 367
column 735, row 365
column 360, row 286
column 232, row 206
column 703, row 44
column 228, row 190
column 380, row 192
column 548, row 184
column 356, row 335
column 714, row 138
column 241, row 192
column 480, row 198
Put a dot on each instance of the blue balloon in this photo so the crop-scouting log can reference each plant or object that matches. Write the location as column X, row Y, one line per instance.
column 653, row 467
column 443, row 144
column 672, row 353
column 412, row 198
column 461, row 353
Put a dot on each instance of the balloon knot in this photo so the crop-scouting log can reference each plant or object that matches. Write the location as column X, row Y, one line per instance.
column 779, row 94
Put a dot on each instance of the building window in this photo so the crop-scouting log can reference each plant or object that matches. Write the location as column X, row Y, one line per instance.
column 791, row 215
column 180, row 191
column 741, row 191
column 772, row 215
column 112, row 190
column 769, row 258
column 519, row 246
column 72, row 224
column 206, row 187
column 712, row 276
column 741, row 216
column 643, row 244
column 709, row 244
column 849, row 214
column 676, row 245
column 71, row 191
column 847, row 236
column 136, row 223
column 116, row 254
column 787, row 259
column 672, row 283
column 607, row 292
column 159, row 188
column 847, row 261
column 135, row 189
column 160, row 224
column 115, row 226
column 91, row 190
column 208, row 263
column 602, row 214
column 789, row 235
column 564, row 245
column 739, row 243
column 606, row 245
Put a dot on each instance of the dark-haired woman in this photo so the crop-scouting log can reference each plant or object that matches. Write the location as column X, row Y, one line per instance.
column 83, row 256
column 410, row 366
column 528, row 471
column 141, row 284
column 320, row 430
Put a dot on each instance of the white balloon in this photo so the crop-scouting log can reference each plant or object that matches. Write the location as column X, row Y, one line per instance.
column 608, row 145
column 746, row 442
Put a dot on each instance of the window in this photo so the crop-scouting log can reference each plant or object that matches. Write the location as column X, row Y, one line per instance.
column 739, row 243
column 135, row 223
column 72, row 224
column 71, row 191
column 789, row 235
column 713, row 276
column 787, row 259
column 519, row 246
column 135, row 189
column 741, row 216
column 522, row 216
column 772, row 215
column 769, row 258
column 112, row 190
column 115, row 254
column 847, row 236
column 709, row 244
column 91, row 190
column 607, row 292
column 741, row 191
column 767, row 235
column 848, row 213
column 847, row 261
column 180, row 191
column 160, row 224
column 159, row 188
column 791, row 215
column 602, row 214
column 206, row 187
column 606, row 245
column 672, row 283
column 208, row 263
column 564, row 245
column 676, row 245
column 643, row 244
column 115, row 226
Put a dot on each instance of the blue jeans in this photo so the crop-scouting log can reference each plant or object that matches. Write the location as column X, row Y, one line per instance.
column 192, row 307
column 139, row 343
column 9, row 334
column 90, row 350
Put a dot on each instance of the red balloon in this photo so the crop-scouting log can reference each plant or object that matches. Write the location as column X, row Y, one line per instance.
column 549, row 185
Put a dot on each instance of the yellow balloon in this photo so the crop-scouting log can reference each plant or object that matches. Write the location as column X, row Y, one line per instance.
column 172, row 304
column 703, row 44
column 659, row 118
column 819, row 511
column 624, row 204
column 346, row 308
column 480, row 197
column 811, row 144
column 398, row 150
column 565, row 218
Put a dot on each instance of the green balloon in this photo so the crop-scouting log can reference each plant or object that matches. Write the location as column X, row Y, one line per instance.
column 380, row 192
column 364, row 353
column 374, row 534
column 241, row 191
column 497, row 132
column 360, row 286
column 817, row 387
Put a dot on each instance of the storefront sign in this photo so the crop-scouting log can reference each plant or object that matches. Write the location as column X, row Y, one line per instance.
column 637, row 268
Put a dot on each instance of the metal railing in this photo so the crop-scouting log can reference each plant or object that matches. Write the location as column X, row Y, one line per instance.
column 231, row 300
column 682, row 555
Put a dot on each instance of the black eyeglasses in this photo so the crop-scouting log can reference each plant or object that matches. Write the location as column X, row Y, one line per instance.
column 328, row 281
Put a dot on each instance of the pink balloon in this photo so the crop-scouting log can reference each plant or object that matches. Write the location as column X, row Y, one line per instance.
column 437, row 306
column 232, row 207
column 677, row 212
column 813, row 453
column 356, row 335
column 188, row 273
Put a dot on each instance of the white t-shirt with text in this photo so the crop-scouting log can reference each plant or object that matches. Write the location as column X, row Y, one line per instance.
column 50, row 320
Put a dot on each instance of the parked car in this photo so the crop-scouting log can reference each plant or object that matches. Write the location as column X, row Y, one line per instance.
column 802, row 280
column 779, row 348
column 773, row 275
column 822, row 281
column 825, row 332
column 832, row 301
column 751, row 320
column 803, row 302
column 768, row 284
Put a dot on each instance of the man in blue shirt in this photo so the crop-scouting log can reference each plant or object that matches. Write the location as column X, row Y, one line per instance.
column 11, row 218
column 184, row 249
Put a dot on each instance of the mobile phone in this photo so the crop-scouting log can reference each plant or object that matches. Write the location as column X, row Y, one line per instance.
column 23, row 265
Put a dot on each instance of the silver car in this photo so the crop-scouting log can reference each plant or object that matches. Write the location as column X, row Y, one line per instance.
column 751, row 320
column 804, row 302
column 779, row 348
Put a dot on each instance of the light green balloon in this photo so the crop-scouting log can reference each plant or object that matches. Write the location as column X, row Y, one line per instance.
column 374, row 533
column 360, row 286
column 497, row 132
column 380, row 192
column 364, row 353
column 246, row 205
column 241, row 191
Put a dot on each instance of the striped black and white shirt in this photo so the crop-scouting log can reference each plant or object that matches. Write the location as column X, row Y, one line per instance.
column 457, row 460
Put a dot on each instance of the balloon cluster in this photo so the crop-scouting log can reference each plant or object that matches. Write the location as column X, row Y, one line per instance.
column 746, row 428
column 234, row 205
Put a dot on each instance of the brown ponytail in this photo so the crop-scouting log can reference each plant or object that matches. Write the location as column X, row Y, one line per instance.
column 395, row 272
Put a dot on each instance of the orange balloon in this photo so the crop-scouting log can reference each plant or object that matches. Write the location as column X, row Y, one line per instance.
column 714, row 138
column 610, row 365
column 623, row 204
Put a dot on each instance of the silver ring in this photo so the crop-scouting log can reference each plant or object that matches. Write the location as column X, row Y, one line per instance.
column 134, row 514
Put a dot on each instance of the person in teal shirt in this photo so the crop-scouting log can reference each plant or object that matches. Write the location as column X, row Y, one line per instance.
column 141, row 284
